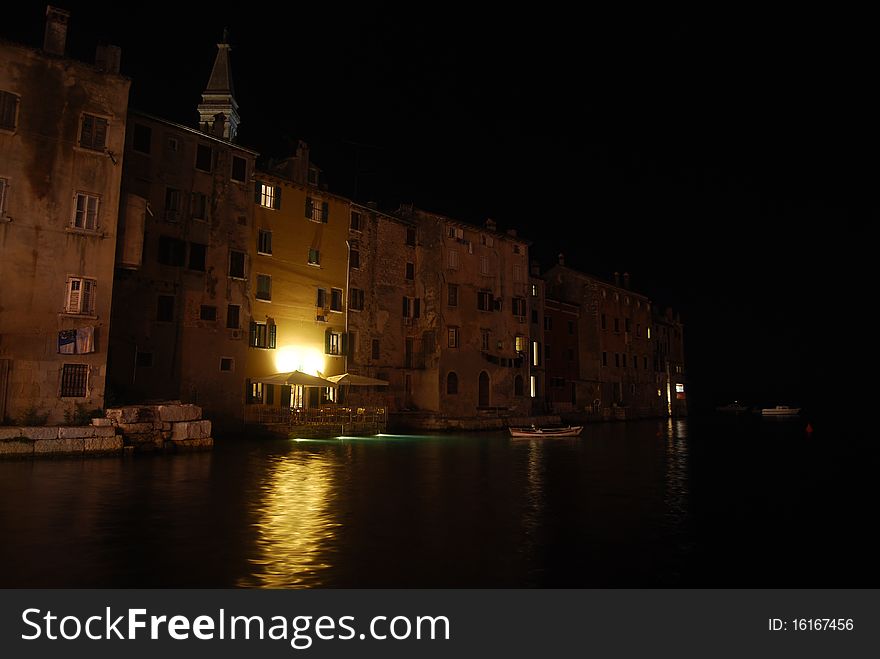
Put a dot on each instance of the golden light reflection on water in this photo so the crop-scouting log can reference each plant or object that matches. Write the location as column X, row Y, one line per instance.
column 295, row 527
column 677, row 490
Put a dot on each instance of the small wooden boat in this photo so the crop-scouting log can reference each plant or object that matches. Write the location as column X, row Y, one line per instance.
column 568, row 431
column 781, row 410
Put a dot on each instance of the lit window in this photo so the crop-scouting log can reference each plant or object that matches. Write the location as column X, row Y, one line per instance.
column 536, row 353
column 317, row 210
column 533, row 386
column 267, row 195
column 85, row 215
column 80, row 296
column 649, row 332
column 534, row 290
column 93, row 132
column 262, row 335
column 521, row 343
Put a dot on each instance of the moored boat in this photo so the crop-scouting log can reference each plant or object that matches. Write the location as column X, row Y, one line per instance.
column 569, row 431
column 780, row 410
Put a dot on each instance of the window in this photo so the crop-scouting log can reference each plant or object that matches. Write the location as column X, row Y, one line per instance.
column 452, row 383
column 452, row 337
column 172, row 204
column 452, row 295
column 411, row 307
column 236, row 264
column 239, row 169
column 536, row 353
column 208, row 313
column 617, row 360
column 533, row 386
column 516, row 249
column 80, row 296
column 8, row 110
column 314, row 257
column 548, row 323
column 375, row 349
column 604, row 359
column 262, row 335
column 626, row 322
column 649, row 332
column 172, row 146
column 264, row 287
column 623, row 361
column 172, row 251
column 484, row 300
column 74, row 378
column 635, row 362
column 232, row 316
column 410, row 271
column 317, row 210
column 355, row 221
column 534, row 290
column 517, row 273
column 488, row 241
column 197, row 253
column 411, row 236
column 452, row 259
column 204, row 157
column 332, row 343
column 144, row 359
column 354, row 258
column 141, row 138
column 199, row 206
column 521, row 343
column 484, row 340
column 4, row 186
column 254, row 392
column 335, row 299
column 519, row 307
column 165, row 308
column 604, row 322
column 264, row 242
column 535, row 316
column 321, row 300
column 85, row 215
column 93, row 132
column 617, row 324
column 453, row 232
column 267, row 196
column 227, row 364
column 313, row 176
column 484, row 265
column 518, row 386
column 356, row 299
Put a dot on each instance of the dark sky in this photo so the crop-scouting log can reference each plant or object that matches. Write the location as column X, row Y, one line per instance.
column 724, row 159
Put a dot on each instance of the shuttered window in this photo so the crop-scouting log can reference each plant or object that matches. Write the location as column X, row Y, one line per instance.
column 93, row 134
column 80, row 296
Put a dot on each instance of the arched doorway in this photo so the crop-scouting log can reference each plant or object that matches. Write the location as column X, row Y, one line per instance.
column 483, row 400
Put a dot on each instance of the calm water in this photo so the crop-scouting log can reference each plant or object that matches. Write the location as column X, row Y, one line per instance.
column 714, row 502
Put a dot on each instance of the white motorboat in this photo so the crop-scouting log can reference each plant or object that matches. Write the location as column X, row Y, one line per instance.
column 780, row 410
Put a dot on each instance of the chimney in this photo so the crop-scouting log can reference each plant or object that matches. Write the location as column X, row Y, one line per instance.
column 626, row 280
column 536, row 268
column 108, row 57
column 219, row 124
column 55, row 37
column 561, row 258
column 301, row 164
column 490, row 224
column 616, row 278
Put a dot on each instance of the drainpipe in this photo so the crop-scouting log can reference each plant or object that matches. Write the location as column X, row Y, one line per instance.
column 348, row 346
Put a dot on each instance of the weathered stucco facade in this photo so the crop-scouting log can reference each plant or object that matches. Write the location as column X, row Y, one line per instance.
column 62, row 127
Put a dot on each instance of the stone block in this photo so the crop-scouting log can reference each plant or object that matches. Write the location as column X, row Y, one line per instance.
column 40, row 432
column 103, row 444
column 70, row 445
column 76, row 432
column 16, row 447
column 201, row 443
column 102, row 423
column 9, row 433
column 105, row 431
column 192, row 430
column 180, row 412
column 134, row 428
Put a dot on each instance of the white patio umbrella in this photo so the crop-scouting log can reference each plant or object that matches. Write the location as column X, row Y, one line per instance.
column 295, row 378
column 350, row 380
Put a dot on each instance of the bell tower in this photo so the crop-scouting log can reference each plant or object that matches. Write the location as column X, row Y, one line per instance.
column 219, row 97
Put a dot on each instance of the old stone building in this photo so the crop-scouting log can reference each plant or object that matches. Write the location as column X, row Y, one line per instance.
column 616, row 377
column 669, row 372
column 184, row 279
column 562, row 356
column 299, row 258
column 62, row 127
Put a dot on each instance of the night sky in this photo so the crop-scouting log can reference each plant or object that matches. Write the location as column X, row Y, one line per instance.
column 724, row 160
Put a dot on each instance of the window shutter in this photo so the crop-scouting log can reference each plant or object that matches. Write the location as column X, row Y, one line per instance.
column 258, row 189
column 309, row 207
column 100, row 132
column 345, row 344
column 88, row 296
column 73, row 287
column 272, row 333
column 416, row 307
column 327, row 341
column 406, row 307
column 270, row 394
column 325, row 212
column 86, row 136
column 276, row 204
column 252, row 339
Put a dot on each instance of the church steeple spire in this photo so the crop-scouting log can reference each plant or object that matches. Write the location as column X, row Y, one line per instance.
column 218, row 111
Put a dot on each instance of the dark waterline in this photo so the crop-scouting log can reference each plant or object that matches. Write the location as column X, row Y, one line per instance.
column 702, row 502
